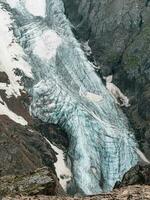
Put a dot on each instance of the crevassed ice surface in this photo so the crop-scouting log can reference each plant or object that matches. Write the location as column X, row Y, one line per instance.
column 68, row 92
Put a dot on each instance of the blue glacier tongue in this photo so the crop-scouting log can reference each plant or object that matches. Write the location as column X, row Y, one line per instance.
column 68, row 92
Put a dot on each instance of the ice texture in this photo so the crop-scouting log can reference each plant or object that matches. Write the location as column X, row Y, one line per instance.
column 102, row 145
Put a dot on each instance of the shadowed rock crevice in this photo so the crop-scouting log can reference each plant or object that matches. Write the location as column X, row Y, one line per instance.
column 140, row 174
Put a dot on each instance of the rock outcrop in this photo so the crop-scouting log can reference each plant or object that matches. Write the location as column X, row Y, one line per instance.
column 140, row 174
column 4, row 78
column 127, row 193
column 42, row 184
column 42, row 181
column 22, row 149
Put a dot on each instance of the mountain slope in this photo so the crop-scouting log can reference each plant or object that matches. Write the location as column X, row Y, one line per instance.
column 47, row 79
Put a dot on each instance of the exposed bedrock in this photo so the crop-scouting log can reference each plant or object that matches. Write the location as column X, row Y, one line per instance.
column 39, row 182
column 140, row 174
column 22, row 149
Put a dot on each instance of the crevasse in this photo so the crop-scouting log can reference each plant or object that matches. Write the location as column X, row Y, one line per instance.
column 66, row 91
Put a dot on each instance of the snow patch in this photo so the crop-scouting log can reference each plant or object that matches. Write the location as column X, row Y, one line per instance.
column 31, row 130
column 46, row 45
column 10, row 89
column 11, row 57
column 4, row 110
column 116, row 92
column 13, row 3
column 142, row 156
column 36, row 7
column 93, row 97
column 90, row 95
column 63, row 172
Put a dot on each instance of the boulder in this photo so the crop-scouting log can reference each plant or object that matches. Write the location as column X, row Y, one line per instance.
column 140, row 174
column 42, row 181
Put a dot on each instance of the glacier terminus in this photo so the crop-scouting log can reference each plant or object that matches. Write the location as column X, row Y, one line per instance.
column 66, row 90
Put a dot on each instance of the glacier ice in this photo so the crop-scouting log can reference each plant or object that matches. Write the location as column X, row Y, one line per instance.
column 102, row 146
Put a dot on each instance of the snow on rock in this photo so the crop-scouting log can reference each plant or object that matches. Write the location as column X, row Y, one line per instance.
column 36, row 7
column 86, row 48
column 116, row 92
column 4, row 110
column 11, row 57
column 142, row 156
column 47, row 44
column 91, row 96
column 63, row 172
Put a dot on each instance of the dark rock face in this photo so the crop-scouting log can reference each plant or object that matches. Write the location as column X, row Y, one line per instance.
column 119, row 36
column 110, row 25
column 22, row 150
column 140, row 174
column 144, row 103
column 41, row 182
column 54, row 134
column 4, row 78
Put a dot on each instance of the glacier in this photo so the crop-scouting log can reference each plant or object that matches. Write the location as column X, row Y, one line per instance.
column 67, row 91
